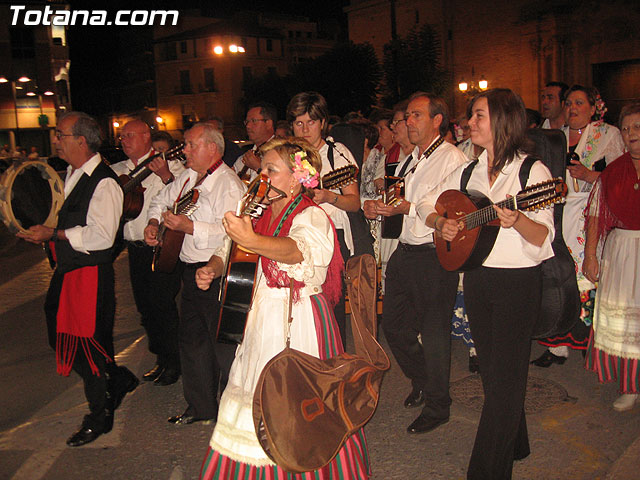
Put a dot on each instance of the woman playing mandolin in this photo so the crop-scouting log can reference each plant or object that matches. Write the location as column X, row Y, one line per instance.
column 502, row 296
column 296, row 240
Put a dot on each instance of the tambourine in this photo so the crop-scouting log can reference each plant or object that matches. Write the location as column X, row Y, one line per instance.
column 31, row 193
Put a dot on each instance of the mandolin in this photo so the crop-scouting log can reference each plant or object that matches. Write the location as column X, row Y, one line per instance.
column 131, row 182
column 393, row 195
column 478, row 221
column 236, row 287
column 340, row 177
column 166, row 253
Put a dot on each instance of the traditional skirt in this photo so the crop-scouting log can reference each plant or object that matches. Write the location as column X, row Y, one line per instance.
column 614, row 345
column 234, row 452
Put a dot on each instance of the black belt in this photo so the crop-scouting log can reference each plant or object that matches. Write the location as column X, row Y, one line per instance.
column 416, row 248
column 137, row 243
column 195, row 265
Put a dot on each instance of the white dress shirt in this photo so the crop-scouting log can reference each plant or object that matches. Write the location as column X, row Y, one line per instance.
column 339, row 217
column 218, row 193
column 429, row 173
column 103, row 216
column 510, row 250
column 134, row 229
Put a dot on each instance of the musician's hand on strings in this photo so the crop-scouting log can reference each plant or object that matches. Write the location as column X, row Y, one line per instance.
column 320, row 195
column 591, row 268
column 251, row 160
column 160, row 167
column 151, row 232
column 36, row 234
column 369, row 209
column 579, row 171
column 180, row 223
column 212, row 270
column 401, row 208
column 448, row 228
column 239, row 229
column 507, row 217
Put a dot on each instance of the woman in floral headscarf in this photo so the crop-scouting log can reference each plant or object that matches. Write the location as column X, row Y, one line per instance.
column 591, row 145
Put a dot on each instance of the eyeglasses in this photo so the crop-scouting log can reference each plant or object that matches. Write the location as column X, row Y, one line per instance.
column 634, row 127
column 393, row 124
column 253, row 121
column 59, row 135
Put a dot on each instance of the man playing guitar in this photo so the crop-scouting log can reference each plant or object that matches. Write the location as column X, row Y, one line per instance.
column 260, row 124
column 154, row 292
column 219, row 190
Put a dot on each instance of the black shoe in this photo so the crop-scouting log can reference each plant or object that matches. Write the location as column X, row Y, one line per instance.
column 547, row 358
column 474, row 365
column 424, row 424
column 152, row 374
column 415, row 399
column 186, row 419
column 169, row 376
column 82, row 437
column 118, row 386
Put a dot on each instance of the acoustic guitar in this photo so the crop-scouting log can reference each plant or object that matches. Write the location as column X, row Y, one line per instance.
column 236, row 287
column 131, row 182
column 391, row 227
column 478, row 221
column 167, row 251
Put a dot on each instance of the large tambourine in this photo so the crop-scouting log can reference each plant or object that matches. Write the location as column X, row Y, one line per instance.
column 31, row 193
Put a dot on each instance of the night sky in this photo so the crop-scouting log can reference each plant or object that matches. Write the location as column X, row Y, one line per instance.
column 94, row 52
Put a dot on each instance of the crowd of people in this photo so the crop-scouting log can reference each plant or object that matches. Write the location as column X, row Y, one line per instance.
column 308, row 231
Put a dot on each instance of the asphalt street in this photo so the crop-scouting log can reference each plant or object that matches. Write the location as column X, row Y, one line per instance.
column 574, row 432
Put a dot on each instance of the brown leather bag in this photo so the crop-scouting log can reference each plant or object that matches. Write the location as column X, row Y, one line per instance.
column 304, row 408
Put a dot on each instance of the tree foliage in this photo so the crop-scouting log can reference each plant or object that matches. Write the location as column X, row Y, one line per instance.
column 413, row 63
column 348, row 76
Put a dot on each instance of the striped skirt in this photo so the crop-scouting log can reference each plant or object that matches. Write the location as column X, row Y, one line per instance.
column 234, row 452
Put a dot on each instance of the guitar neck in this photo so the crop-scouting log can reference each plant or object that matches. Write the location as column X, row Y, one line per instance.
column 488, row 214
column 142, row 170
column 136, row 180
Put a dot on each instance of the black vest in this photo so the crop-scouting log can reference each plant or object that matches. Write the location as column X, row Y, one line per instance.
column 74, row 213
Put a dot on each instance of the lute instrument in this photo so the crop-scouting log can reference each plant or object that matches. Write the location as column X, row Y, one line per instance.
column 167, row 251
column 236, row 287
column 340, row 177
column 131, row 183
column 391, row 227
column 478, row 222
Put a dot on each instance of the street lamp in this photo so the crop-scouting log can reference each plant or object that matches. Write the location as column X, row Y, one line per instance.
column 470, row 88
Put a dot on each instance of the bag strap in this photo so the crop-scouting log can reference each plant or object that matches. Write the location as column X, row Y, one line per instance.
column 289, row 315
column 466, row 175
column 525, row 169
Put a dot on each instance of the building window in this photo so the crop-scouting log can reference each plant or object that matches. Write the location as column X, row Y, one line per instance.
column 308, row 34
column 183, row 47
column 22, row 43
column 185, row 82
column 272, row 71
column 170, row 51
column 269, row 45
column 417, row 17
column 298, row 33
column 209, row 80
column 290, row 33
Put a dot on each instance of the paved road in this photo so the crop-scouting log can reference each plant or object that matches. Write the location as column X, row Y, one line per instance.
column 579, row 438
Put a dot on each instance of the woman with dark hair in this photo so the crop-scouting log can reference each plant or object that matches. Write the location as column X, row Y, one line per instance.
column 592, row 144
column 296, row 241
column 502, row 297
column 309, row 116
column 613, row 221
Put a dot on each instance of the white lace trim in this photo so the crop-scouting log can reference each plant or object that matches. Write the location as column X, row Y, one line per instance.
column 303, row 271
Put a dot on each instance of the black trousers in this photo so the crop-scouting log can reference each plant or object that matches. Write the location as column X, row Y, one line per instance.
column 419, row 299
column 197, row 338
column 339, row 309
column 155, row 296
column 502, row 305
column 95, row 386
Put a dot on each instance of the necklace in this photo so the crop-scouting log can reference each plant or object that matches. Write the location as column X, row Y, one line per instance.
column 579, row 130
column 636, row 185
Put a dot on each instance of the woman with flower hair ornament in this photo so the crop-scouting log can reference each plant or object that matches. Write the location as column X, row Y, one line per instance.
column 591, row 145
column 295, row 240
